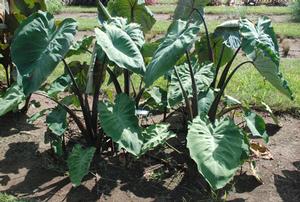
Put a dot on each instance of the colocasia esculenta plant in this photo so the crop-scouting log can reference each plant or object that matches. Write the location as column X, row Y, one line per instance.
column 197, row 67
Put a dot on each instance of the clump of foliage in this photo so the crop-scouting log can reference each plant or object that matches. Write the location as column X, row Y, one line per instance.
column 54, row 6
column 116, row 50
column 197, row 67
column 295, row 6
column 14, row 13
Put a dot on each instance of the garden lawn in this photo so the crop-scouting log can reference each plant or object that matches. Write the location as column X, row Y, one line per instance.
column 283, row 29
column 166, row 8
column 247, row 84
column 10, row 198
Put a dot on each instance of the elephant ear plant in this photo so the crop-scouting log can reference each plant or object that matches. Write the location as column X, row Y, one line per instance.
column 14, row 12
column 201, row 66
column 116, row 44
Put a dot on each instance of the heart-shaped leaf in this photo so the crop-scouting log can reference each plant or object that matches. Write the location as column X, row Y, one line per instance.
column 155, row 135
column 57, row 120
column 256, row 124
column 203, row 74
column 180, row 36
column 120, row 48
column 120, row 123
column 79, row 163
column 132, row 29
column 134, row 10
column 38, row 46
column 216, row 148
column 260, row 45
column 229, row 31
column 184, row 9
column 12, row 98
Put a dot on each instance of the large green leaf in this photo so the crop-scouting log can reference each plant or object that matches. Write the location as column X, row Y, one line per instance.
column 81, row 47
column 260, row 45
column 229, row 31
column 120, row 123
column 203, row 74
column 59, row 85
column 179, row 38
column 155, row 135
column 134, row 10
column 256, row 124
column 217, row 44
column 12, row 98
column 156, row 98
column 38, row 47
column 120, row 48
column 79, row 163
column 149, row 48
column 185, row 8
column 205, row 100
column 132, row 29
column 57, row 120
column 216, row 148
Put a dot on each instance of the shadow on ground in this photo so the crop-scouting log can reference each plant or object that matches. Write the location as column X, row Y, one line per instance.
column 13, row 123
column 288, row 184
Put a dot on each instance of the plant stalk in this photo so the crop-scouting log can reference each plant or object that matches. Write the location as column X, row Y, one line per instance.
column 7, row 77
column 70, row 112
column 210, row 53
column 213, row 110
column 115, row 81
column 186, row 99
column 126, row 82
column 138, row 97
column 226, row 69
column 194, row 87
column 99, row 71
column 85, row 111
column 213, row 84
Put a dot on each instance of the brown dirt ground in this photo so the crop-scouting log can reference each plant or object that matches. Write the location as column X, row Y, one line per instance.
column 29, row 170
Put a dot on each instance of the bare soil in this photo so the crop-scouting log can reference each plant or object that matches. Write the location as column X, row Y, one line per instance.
column 29, row 170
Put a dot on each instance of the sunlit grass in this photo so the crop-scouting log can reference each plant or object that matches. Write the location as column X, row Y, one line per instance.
column 283, row 29
column 167, row 8
column 10, row 198
column 247, row 84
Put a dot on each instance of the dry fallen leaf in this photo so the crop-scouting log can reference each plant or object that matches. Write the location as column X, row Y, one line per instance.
column 260, row 151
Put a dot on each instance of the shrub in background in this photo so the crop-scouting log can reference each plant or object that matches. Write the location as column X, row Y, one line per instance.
column 54, row 6
column 295, row 6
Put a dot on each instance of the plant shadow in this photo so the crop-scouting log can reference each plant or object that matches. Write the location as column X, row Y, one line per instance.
column 288, row 184
column 13, row 123
column 29, row 174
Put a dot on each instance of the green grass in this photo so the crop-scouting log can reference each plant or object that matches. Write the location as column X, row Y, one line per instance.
column 228, row 10
column 167, row 1
column 246, row 85
column 260, row 10
column 162, row 8
column 9, row 198
column 283, row 29
column 166, row 8
column 79, row 9
column 250, row 86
